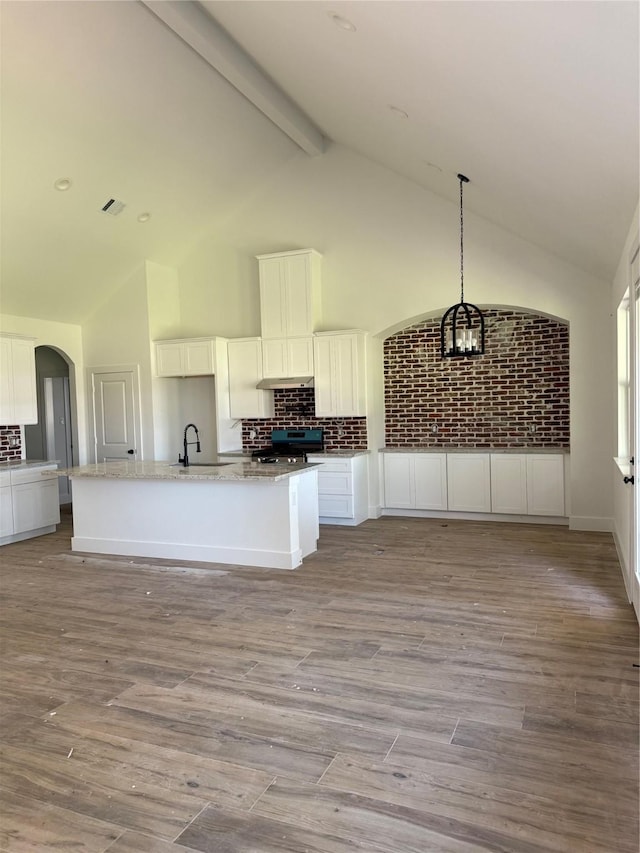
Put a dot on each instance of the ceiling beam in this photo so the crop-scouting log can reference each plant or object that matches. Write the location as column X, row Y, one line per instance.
column 198, row 29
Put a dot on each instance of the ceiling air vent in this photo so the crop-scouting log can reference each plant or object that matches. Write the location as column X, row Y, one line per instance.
column 113, row 207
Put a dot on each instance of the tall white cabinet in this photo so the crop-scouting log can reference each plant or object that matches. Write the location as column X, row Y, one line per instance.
column 289, row 293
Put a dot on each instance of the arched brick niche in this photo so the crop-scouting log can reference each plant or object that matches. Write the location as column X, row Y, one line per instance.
column 515, row 395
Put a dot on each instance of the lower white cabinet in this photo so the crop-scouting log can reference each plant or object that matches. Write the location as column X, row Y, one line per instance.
column 509, row 483
column 469, row 482
column 30, row 505
column 343, row 493
column 500, row 483
column 545, row 484
column 415, row 480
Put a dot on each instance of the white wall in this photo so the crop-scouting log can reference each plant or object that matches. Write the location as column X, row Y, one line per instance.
column 67, row 340
column 622, row 493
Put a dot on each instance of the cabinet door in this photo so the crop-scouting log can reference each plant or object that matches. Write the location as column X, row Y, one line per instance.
column 299, row 357
column 298, row 307
column 509, row 483
column 24, row 381
column 198, row 358
column 545, row 484
column 274, row 358
column 7, row 410
column 35, row 505
column 272, row 299
column 245, row 371
column 345, row 376
column 398, row 480
column 430, row 477
column 6, row 511
column 323, row 366
column 468, row 481
column 170, row 359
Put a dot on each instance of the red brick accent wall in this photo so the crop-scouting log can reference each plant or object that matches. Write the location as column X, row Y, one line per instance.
column 294, row 409
column 7, row 435
column 516, row 395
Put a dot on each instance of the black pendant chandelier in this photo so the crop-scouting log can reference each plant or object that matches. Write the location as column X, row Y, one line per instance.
column 462, row 327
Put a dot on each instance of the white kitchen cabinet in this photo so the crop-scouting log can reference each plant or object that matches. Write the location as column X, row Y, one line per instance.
column 343, row 493
column 30, row 504
column 509, row 483
column 430, row 480
column 189, row 357
column 6, row 505
column 340, row 374
column 469, row 482
column 245, row 371
column 287, row 357
column 545, row 484
column 18, row 400
column 415, row 481
column 289, row 293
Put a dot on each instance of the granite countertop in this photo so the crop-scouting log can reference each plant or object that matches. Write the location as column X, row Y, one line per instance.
column 453, row 449
column 329, row 454
column 14, row 464
column 231, row 472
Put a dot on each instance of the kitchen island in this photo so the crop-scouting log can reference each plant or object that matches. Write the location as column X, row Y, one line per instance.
column 242, row 513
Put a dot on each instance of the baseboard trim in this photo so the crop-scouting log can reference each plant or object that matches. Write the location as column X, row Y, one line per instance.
column 477, row 516
column 593, row 523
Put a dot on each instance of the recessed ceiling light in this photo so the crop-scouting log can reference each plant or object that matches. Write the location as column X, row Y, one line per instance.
column 62, row 184
column 144, row 217
column 398, row 112
column 341, row 22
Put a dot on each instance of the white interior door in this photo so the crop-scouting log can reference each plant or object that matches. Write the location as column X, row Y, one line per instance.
column 635, row 425
column 116, row 413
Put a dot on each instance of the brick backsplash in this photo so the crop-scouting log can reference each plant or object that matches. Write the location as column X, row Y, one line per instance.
column 7, row 451
column 294, row 409
column 515, row 395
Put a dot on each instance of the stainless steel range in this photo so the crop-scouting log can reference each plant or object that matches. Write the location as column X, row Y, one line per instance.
column 290, row 445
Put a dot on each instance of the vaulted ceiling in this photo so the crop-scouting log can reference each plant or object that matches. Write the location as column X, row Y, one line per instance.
column 536, row 101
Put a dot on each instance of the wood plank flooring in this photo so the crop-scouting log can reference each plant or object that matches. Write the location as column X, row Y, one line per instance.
column 417, row 686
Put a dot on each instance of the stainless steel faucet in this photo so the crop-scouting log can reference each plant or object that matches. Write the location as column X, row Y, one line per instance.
column 185, row 458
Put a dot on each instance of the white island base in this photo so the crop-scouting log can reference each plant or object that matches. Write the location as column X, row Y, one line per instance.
column 243, row 522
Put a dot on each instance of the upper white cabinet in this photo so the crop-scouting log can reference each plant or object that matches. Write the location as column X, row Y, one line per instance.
column 18, row 400
column 545, row 484
column 190, row 357
column 287, row 357
column 289, row 293
column 245, row 371
column 469, row 482
column 340, row 374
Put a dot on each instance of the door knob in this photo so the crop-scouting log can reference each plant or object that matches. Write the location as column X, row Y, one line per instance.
column 629, row 479
column 131, row 451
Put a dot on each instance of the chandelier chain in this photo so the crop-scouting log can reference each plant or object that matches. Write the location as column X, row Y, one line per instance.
column 461, row 247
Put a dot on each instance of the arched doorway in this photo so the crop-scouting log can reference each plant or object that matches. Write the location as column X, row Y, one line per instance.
column 52, row 437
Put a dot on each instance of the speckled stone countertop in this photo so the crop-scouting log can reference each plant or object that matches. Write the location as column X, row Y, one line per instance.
column 325, row 454
column 13, row 464
column 227, row 471
column 454, row 449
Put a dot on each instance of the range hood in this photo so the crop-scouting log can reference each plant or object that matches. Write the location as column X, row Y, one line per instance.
column 285, row 382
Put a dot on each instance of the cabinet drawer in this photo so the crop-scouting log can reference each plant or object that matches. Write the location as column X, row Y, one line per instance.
column 335, row 506
column 33, row 475
column 334, row 484
column 336, row 466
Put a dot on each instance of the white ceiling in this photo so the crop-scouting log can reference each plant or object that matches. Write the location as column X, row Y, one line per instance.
column 537, row 102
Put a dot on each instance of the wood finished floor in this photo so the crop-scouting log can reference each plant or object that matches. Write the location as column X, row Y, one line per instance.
column 417, row 685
